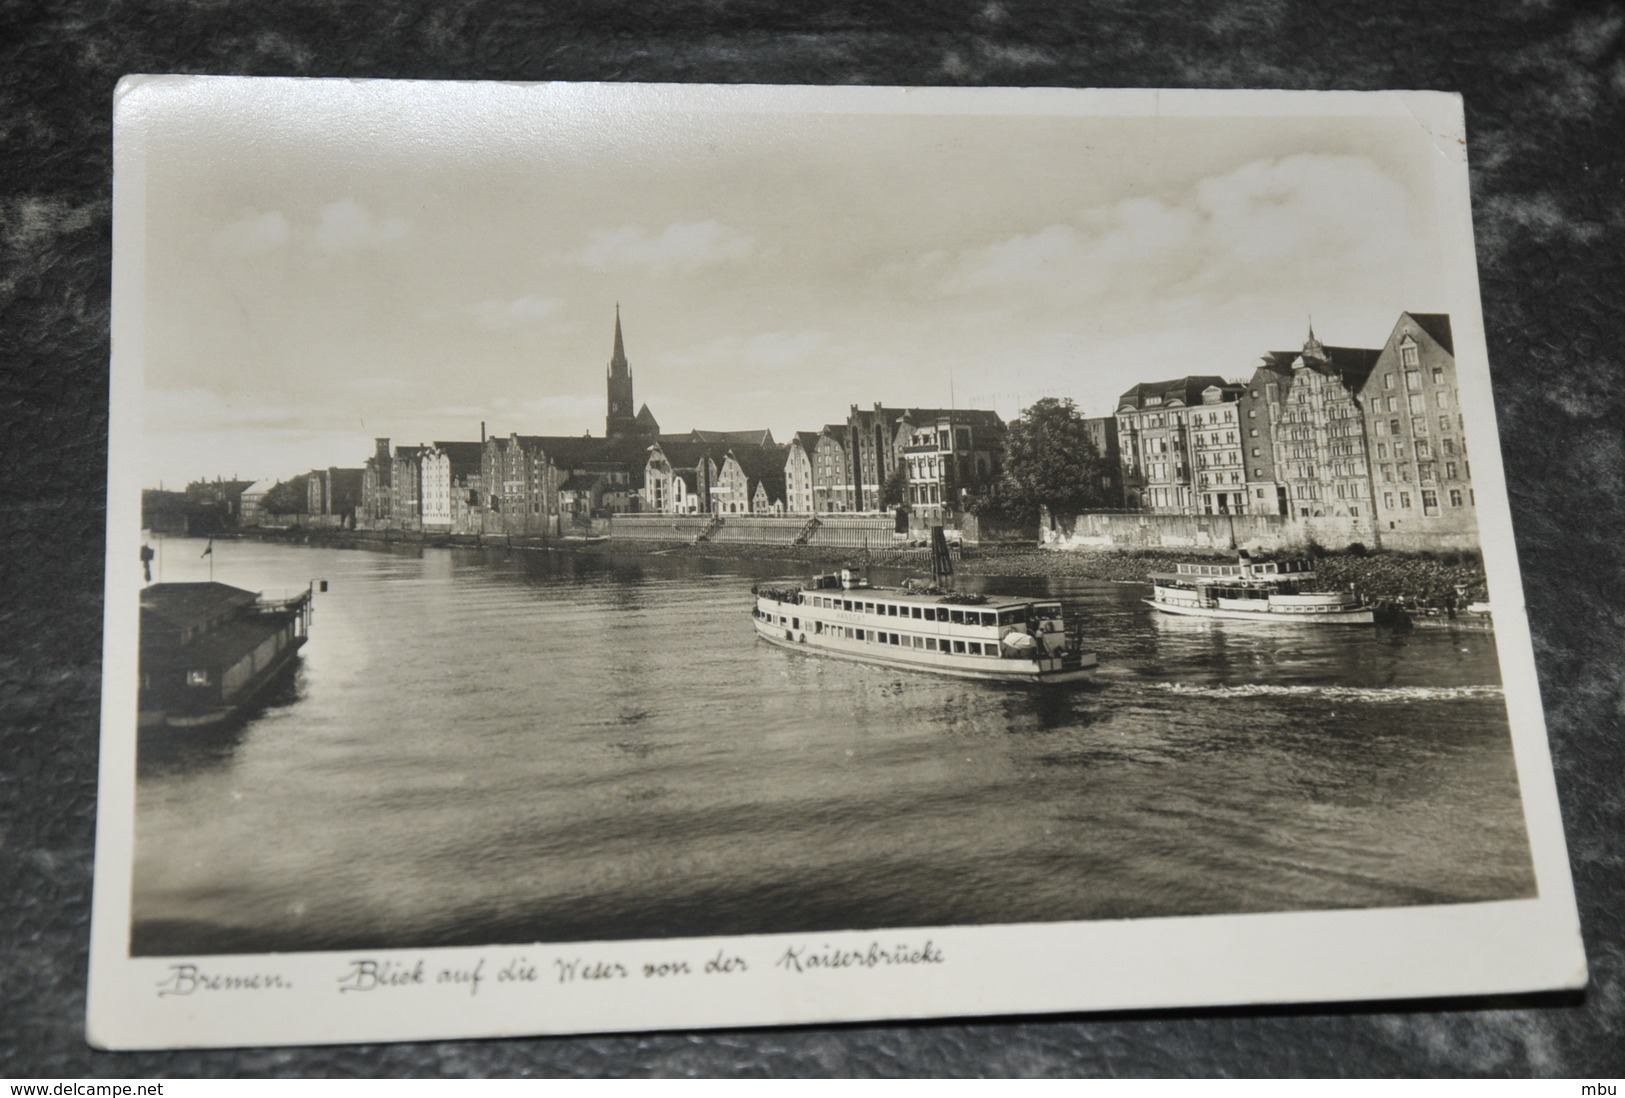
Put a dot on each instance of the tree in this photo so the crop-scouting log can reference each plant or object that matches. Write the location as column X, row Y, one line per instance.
column 895, row 490
column 1000, row 503
column 286, row 497
column 1051, row 461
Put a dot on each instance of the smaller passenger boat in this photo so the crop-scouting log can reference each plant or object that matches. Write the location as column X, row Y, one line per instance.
column 1249, row 590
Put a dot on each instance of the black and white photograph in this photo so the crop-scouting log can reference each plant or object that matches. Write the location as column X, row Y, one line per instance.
column 589, row 557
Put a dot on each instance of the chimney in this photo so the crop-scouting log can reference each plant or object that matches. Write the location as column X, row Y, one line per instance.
column 482, row 432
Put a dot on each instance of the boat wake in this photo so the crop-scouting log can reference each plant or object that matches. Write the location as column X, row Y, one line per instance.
column 1334, row 693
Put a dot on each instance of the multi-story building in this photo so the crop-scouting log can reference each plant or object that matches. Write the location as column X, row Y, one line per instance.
column 798, row 472
column 1423, row 482
column 1317, row 430
column 832, row 489
column 1265, row 495
column 377, row 473
column 1218, row 452
column 678, row 475
column 1103, row 433
column 1155, row 435
column 451, row 483
column 948, row 453
column 406, row 488
column 334, row 492
column 750, row 481
column 965, row 443
column 250, row 513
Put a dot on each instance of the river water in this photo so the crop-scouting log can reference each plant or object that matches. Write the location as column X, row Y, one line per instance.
column 483, row 747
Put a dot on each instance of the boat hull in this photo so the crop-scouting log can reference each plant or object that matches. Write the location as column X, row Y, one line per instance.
column 1015, row 671
column 221, row 715
column 1358, row 616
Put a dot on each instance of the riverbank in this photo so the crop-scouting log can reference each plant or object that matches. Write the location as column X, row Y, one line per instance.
column 1414, row 579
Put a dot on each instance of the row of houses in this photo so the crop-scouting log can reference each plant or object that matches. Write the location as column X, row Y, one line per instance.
column 1372, row 436
column 548, row 485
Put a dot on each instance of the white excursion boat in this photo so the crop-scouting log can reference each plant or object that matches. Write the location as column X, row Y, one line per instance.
column 1255, row 591
column 923, row 629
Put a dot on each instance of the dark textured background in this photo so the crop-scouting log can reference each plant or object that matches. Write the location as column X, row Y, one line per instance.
column 1545, row 87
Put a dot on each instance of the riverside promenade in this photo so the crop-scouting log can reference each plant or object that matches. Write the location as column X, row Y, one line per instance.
column 1420, row 579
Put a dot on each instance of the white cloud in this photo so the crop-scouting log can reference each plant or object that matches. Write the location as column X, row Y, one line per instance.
column 497, row 314
column 764, row 353
column 1301, row 220
column 349, row 226
column 684, row 246
column 255, row 234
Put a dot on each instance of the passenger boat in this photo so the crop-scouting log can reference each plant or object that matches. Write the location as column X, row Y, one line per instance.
column 209, row 649
column 1275, row 591
column 993, row 638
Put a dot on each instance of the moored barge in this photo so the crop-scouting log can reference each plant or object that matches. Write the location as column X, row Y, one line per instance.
column 209, row 649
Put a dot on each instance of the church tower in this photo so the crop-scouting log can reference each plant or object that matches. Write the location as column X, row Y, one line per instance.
column 621, row 420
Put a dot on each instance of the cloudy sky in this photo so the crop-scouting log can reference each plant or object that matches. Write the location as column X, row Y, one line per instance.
column 327, row 262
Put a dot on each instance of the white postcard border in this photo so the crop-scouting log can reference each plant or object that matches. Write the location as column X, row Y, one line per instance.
column 1374, row 954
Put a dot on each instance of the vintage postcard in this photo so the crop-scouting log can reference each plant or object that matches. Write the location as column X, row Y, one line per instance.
column 625, row 557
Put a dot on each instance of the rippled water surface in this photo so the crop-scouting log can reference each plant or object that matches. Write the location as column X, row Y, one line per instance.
column 489, row 747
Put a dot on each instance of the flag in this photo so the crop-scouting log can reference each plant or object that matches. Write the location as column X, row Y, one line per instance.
column 209, row 552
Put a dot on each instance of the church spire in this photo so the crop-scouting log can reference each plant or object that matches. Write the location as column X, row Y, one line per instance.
column 617, row 361
column 619, row 422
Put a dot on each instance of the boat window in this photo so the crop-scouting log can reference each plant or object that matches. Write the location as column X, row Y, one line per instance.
column 975, row 648
column 930, row 644
column 859, row 633
column 895, row 639
column 959, row 646
column 891, row 609
column 868, row 608
column 956, row 617
column 919, row 642
column 795, row 623
column 914, row 612
column 989, row 618
column 1014, row 616
column 197, row 678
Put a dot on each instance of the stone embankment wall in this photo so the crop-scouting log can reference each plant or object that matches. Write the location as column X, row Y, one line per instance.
column 1255, row 533
column 850, row 531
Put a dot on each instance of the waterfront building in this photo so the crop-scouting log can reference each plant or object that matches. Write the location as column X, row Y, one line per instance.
column 250, row 514
column 224, row 497
column 678, row 475
column 965, row 443
column 1265, row 494
column 750, row 481
column 406, row 488
column 451, row 484
column 1103, row 433
column 334, row 493
column 832, row 471
column 1154, row 434
column 798, row 472
column 376, row 479
column 1423, row 488
column 948, row 453
column 1217, row 452
column 517, row 487
column 1317, row 431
